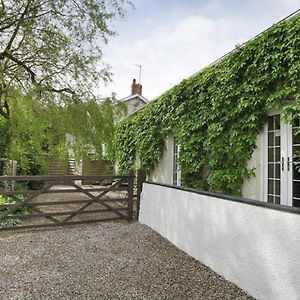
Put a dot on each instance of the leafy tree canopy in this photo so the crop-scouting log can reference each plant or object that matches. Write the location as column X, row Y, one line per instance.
column 36, row 130
column 4, row 137
column 50, row 61
column 53, row 46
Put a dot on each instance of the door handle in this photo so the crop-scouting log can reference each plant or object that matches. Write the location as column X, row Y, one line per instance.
column 282, row 163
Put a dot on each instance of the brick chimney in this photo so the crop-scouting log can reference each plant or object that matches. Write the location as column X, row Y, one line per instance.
column 136, row 88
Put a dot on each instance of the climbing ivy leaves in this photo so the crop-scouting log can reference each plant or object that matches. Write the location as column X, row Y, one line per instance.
column 218, row 113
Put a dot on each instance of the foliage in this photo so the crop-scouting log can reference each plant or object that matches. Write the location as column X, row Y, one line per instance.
column 37, row 130
column 23, row 210
column 54, row 47
column 50, row 62
column 218, row 113
column 4, row 137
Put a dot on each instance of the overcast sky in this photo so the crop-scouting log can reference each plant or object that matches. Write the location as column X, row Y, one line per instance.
column 172, row 39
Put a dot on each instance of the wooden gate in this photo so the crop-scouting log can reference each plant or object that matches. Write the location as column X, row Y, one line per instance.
column 62, row 200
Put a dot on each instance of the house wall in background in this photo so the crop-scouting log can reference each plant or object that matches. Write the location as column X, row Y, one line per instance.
column 163, row 172
column 133, row 105
column 251, row 189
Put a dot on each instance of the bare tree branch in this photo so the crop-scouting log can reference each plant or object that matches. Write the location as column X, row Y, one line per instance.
column 66, row 90
column 21, row 64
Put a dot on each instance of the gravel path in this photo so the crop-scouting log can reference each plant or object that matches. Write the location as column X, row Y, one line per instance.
column 106, row 261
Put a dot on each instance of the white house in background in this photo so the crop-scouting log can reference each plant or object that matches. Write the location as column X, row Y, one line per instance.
column 275, row 161
column 135, row 101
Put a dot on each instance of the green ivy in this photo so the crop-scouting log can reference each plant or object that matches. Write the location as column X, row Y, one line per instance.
column 218, row 113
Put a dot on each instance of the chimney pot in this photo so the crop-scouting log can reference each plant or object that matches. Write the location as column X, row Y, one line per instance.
column 136, row 88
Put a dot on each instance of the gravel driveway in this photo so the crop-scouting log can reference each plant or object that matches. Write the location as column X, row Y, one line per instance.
column 106, row 261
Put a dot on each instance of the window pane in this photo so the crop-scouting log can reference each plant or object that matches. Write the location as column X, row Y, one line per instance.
column 296, row 189
column 277, row 170
column 296, row 172
column 270, row 199
column 296, row 139
column 296, row 163
column 271, row 139
column 277, row 122
column 296, row 122
column 271, row 123
column 277, row 187
column 174, row 179
column 277, row 154
column 176, row 175
column 277, row 200
column 271, row 187
column 271, row 171
column 296, row 202
column 271, row 155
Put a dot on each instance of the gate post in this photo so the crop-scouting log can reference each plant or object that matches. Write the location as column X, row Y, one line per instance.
column 141, row 177
column 130, row 196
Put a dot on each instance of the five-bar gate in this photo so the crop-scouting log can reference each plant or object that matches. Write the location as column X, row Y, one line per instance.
column 63, row 200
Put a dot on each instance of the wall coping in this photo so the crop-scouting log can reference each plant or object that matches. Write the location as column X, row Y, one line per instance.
column 284, row 208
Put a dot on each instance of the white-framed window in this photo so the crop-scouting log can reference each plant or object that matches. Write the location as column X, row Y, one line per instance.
column 176, row 169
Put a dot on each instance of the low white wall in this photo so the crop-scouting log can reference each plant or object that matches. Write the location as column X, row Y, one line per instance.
column 255, row 247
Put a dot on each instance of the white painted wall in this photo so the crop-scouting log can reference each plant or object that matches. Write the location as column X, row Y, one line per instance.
column 134, row 105
column 257, row 248
column 252, row 188
column 163, row 172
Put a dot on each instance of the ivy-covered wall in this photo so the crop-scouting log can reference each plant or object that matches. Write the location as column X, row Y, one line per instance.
column 218, row 113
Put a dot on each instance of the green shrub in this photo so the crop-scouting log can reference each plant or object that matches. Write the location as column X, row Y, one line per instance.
column 23, row 210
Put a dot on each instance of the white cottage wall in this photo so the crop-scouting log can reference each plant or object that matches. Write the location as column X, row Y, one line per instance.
column 252, row 188
column 133, row 105
column 164, row 169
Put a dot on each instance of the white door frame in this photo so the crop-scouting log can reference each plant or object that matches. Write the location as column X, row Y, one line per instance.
column 289, row 165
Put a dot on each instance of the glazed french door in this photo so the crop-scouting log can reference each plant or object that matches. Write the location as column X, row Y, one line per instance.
column 293, row 163
column 282, row 162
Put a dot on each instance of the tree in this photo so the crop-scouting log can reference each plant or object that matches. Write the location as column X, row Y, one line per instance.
column 36, row 130
column 53, row 47
column 50, row 62
column 4, row 137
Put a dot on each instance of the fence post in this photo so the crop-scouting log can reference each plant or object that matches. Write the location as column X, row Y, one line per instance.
column 130, row 196
column 141, row 177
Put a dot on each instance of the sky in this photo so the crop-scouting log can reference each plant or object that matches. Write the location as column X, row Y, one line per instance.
column 173, row 39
